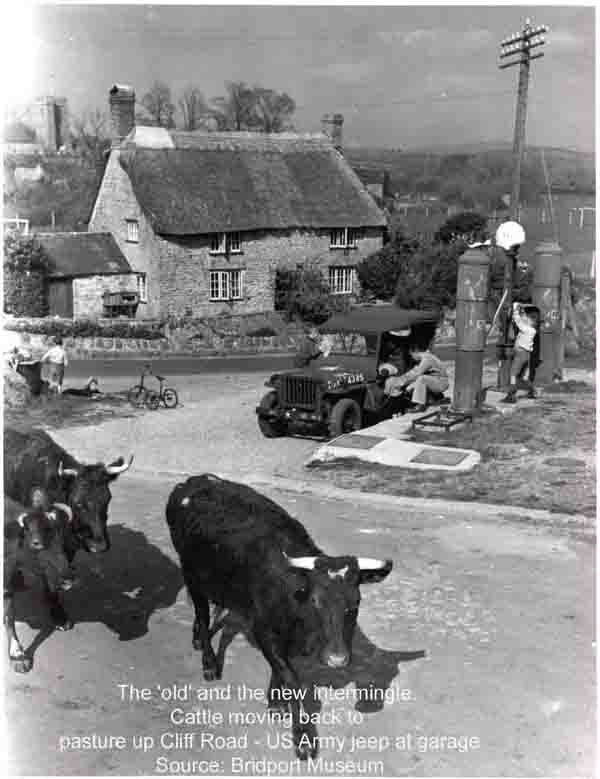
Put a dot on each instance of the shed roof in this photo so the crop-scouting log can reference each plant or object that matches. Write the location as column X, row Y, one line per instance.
column 83, row 254
column 216, row 182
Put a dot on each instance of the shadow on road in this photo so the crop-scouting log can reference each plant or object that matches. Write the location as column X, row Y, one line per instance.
column 120, row 589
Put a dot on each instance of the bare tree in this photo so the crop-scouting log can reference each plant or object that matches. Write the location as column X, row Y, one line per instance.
column 253, row 108
column 236, row 110
column 158, row 105
column 193, row 107
column 273, row 110
column 90, row 135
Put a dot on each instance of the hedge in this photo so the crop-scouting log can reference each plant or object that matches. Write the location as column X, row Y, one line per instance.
column 86, row 328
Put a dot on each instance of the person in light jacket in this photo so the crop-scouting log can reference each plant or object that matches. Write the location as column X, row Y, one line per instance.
column 429, row 373
column 55, row 359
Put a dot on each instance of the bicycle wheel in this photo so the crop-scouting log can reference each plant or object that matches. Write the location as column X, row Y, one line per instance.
column 152, row 400
column 170, row 398
column 137, row 395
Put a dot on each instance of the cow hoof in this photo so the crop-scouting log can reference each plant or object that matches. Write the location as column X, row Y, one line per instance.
column 305, row 750
column 210, row 674
column 67, row 624
column 21, row 665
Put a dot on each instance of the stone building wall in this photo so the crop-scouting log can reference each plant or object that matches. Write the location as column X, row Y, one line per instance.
column 186, row 266
column 88, row 291
column 115, row 204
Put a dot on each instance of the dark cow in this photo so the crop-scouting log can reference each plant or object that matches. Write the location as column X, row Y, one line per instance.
column 243, row 552
column 34, row 459
column 34, row 546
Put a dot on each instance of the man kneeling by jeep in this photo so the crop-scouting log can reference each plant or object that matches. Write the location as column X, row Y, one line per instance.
column 428, row 375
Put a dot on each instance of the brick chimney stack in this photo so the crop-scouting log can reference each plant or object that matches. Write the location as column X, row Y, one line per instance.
column 331, row 125
column 121, row 99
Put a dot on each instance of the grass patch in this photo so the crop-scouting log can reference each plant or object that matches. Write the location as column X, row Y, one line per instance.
column 541, row 457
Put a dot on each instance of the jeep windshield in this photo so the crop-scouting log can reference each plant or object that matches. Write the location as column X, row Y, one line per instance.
column 348, row 343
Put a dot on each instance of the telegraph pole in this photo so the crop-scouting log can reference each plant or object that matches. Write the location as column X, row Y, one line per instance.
column 518, row 46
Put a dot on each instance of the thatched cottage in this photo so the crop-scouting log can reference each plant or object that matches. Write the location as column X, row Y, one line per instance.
column 206, row 218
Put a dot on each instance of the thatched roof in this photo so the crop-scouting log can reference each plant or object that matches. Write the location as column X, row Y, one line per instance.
column 83, row 254
column 216, row 182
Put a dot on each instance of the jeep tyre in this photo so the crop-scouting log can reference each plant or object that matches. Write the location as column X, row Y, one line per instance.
column 345, row 417
column 268, row 428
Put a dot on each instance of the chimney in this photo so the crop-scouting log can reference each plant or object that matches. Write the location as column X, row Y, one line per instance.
column 331, row 126
column 121, row 99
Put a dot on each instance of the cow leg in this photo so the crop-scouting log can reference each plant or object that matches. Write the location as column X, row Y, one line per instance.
column 304, row 734
column 18, row 659
column 201, row 631
column 57, row 611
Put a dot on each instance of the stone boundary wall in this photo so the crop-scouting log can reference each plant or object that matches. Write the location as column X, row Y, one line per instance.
column 208, row 337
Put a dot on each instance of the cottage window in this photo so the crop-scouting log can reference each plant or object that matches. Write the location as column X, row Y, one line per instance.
column 142, row 287
column 133, row 231
column 226, row 243
column 344, row 238
column 341, row 279
column 226, row 284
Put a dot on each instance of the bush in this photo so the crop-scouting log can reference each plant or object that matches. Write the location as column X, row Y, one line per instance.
column 304, row 294
column 86, row 328
column 429, row 279
column 378, row 274
column 25, row 276
column 468, row 226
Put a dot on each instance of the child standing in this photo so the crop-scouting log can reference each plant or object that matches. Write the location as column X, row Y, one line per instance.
column 56, row 360
column 521, row 361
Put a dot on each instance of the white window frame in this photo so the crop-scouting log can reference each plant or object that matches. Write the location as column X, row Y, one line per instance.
column 226, row 285
column 133, row 230
column 226, row 243
column 142, row 287
column 344, row 238
column 341, row 279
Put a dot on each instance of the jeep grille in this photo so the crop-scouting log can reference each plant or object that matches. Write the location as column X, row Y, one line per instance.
column 298, row 391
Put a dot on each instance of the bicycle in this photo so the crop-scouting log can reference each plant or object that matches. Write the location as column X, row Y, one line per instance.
column 167, row 395
column 139, row 395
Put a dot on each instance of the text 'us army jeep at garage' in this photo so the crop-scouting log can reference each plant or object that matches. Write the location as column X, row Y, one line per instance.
column 341, row 389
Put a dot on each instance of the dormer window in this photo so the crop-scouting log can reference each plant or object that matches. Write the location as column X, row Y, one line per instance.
column 226, row 243
column 344, row 238
column 133, row 231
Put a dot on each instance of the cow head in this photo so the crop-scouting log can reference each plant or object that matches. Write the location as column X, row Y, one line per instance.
column 88, row 494
column 330, row 598
column 43, row 536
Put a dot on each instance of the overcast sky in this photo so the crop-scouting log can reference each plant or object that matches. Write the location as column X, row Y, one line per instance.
column 402, row 76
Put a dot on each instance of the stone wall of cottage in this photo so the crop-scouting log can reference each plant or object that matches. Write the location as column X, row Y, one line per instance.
column 186, row 266
column 88, row 291
column 115, row 204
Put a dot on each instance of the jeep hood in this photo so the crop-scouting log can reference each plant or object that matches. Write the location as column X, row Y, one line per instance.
column 325, row 369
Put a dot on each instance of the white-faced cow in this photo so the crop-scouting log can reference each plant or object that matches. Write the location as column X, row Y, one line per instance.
column 33, row 459
column 34, row 546
column 243, row 552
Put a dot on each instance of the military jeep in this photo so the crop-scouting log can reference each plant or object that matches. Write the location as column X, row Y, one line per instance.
column 341, row 390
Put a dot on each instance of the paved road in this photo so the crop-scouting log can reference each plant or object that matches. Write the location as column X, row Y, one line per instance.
column 503, row 614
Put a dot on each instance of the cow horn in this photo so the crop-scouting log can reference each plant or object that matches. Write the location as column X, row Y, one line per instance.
column 308, row 563
column 67, row 509
column 114, row 470
column 66, row 471
column 21, row 519
column 370, row 564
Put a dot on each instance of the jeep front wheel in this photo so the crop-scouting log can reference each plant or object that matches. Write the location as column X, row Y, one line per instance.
column 346, row 417
column 268, row 427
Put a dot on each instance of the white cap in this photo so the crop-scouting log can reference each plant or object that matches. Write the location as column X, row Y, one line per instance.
column 510, row 234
